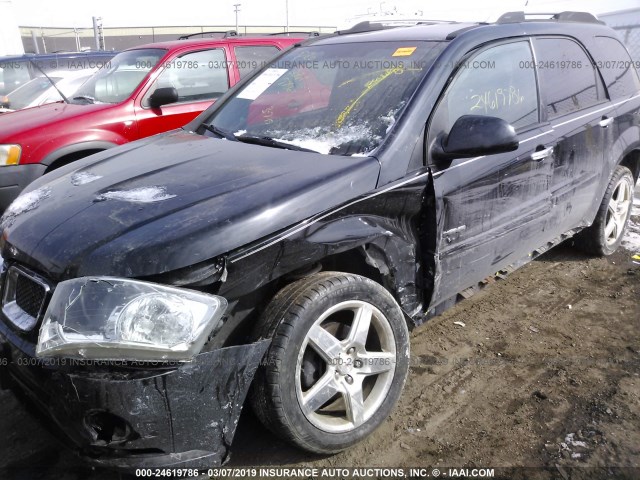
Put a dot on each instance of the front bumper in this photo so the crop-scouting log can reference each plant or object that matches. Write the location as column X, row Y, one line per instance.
column 14, row 179
column 130, row 418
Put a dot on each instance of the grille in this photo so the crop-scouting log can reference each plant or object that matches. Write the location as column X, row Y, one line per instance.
column 25, row 297
column 29, row 295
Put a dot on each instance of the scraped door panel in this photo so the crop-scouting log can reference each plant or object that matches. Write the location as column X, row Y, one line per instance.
column 492, row 210
column 581, row 118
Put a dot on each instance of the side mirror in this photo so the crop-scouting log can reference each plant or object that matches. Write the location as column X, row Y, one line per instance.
column 476, row 135
column 163, row 96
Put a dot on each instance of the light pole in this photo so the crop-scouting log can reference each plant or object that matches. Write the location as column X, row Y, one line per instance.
column 237, row 9
column 287, row 10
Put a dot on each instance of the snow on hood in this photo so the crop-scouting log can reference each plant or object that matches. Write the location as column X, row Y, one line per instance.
column 82, row 178
column 24, row 203
column 137, row 195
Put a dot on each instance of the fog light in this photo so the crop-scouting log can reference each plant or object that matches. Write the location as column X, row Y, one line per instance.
column 106, row 428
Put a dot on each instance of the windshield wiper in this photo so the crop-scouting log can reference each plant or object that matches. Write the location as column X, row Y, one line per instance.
column 85, row 97
column 271, row 142
column 53, row 84
column 220, row 132
column 254, row 140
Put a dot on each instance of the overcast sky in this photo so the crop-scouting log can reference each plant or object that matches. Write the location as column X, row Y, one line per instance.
column 117, row 13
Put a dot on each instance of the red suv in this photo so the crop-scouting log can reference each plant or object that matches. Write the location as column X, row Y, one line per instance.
column 142, row 91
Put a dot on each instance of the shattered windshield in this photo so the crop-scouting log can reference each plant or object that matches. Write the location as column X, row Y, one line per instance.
column 333, row 99
column 118, row 79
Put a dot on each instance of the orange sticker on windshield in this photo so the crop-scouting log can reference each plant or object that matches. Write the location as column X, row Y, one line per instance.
column 404, row 51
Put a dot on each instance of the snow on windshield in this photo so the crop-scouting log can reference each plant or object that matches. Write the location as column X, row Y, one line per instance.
column 336, row 99
column 323, row 140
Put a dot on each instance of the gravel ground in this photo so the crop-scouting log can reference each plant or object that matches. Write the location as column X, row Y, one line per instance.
column 545, row 373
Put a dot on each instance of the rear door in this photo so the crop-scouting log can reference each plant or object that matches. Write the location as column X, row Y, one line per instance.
column 580, row 115
column 200, row 77
column 623, row 88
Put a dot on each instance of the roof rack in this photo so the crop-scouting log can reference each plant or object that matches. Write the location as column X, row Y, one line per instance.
column 368, row 26
column 226, row 34
column 311, row 34
column 518, row 17
column 435, row 22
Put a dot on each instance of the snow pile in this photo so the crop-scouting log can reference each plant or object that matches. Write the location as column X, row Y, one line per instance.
column 322, row 140
column 82, row 178
column 24, row 203
column 137, row 195
column 631, row 240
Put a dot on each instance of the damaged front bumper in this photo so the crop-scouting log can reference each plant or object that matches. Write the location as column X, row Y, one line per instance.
column 126, row 418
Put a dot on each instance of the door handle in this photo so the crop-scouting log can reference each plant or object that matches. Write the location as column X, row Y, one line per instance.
column 606, row 121
column 542, row 154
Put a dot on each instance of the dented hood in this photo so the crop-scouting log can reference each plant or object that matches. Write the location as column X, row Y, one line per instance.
column 172, row 201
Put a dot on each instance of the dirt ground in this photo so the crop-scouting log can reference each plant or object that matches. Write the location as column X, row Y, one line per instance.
column 545, row 373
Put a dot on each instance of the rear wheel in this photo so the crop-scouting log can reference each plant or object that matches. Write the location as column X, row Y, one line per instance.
column 605, row 235
column 337, row 363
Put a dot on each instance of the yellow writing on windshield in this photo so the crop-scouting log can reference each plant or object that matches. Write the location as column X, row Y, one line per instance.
column 370, row 85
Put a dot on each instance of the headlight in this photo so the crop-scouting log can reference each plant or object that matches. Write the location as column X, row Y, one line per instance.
column 10, row 155
column 104, row 318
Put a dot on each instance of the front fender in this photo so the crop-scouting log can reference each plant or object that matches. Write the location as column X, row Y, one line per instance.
column 381, row 229
column 83, row 146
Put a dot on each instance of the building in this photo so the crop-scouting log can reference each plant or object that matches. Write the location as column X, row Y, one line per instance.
column 10, row 40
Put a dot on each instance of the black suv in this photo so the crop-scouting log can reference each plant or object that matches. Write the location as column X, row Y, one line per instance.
column 285, row 239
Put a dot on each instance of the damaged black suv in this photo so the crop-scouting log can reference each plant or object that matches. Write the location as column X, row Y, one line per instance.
column 280, row 245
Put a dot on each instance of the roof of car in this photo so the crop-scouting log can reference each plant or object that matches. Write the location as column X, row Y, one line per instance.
column 175, row 44
column 444, row 31
column 57, row 55
column 436, row 31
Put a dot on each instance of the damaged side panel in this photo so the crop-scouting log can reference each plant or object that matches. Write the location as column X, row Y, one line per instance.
column 491, row 211
column 382, row 230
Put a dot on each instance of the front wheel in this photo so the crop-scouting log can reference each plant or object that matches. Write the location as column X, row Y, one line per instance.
column 337, row 363
column 605, row 235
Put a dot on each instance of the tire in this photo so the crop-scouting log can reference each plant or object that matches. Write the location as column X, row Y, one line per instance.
column 605, row 235
column 326, row 384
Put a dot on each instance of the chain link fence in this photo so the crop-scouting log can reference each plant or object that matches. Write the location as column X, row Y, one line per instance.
column 631, row 37
column 48, row 40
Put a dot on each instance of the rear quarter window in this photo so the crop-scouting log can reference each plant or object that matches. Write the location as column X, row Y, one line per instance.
column 567, row 76
column 617, row 68
column 253, row 57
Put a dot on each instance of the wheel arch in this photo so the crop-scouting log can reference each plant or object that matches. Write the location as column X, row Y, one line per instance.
column 65, row 155
column 631, row 160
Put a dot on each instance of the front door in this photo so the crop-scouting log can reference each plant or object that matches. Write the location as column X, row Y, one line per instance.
column 199, row 77
column 492, row 209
